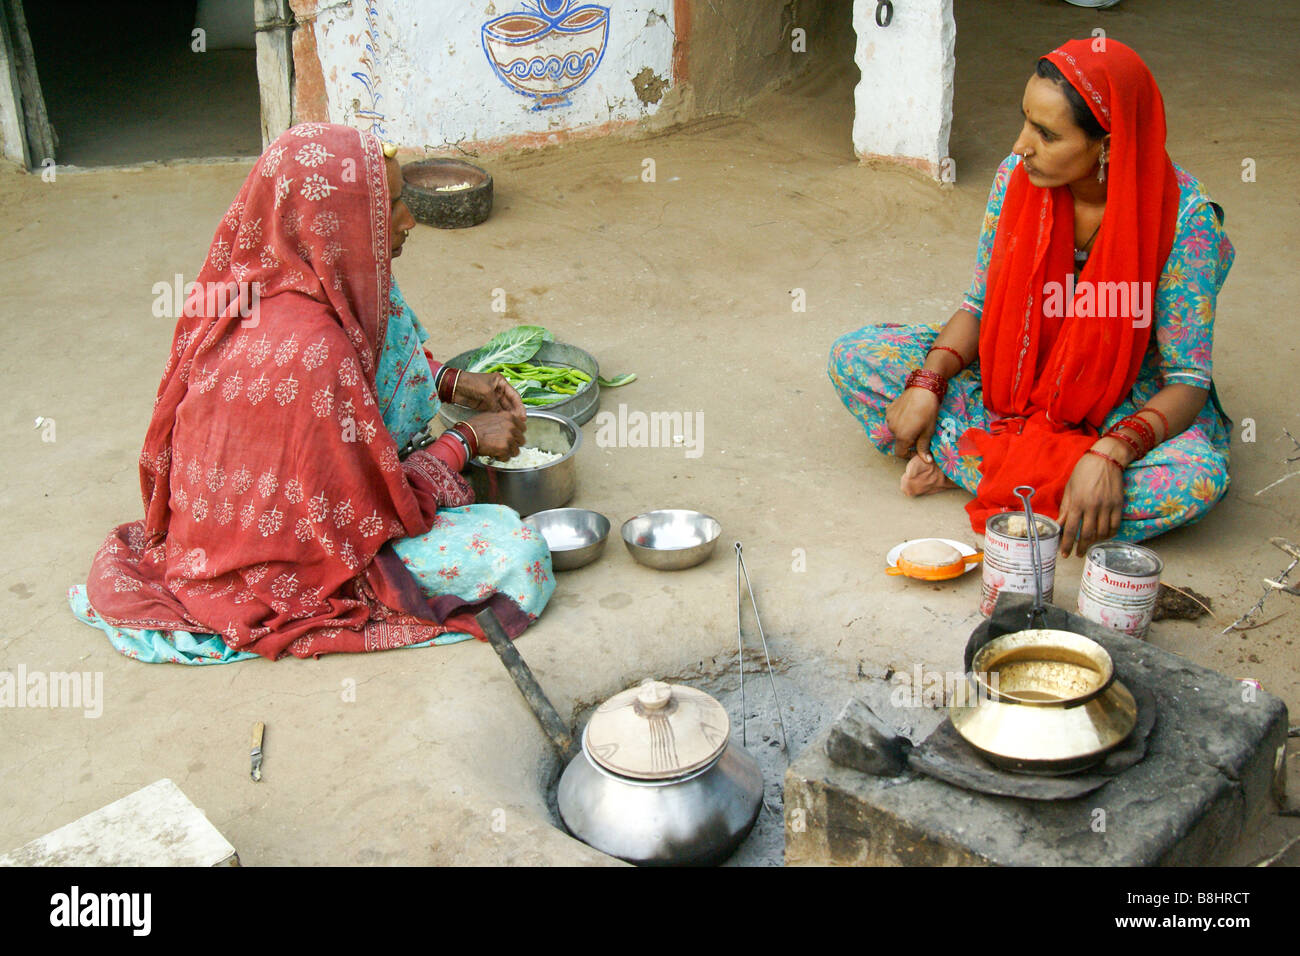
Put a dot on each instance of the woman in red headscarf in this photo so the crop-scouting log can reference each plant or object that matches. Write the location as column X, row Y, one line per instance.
column 278, row 513
column 1079, row 362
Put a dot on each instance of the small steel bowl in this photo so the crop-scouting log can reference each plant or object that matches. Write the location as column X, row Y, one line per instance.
column 575, row 536
column 672, row 539
column 530, row 490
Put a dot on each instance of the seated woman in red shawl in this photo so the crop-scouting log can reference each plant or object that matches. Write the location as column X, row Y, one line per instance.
column 279, row 516
column 1079, row 361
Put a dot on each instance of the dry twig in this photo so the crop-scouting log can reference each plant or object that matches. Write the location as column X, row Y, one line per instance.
column 1274, row 857
column 1295, row 442
column 1289, row 474
column 1241, row 624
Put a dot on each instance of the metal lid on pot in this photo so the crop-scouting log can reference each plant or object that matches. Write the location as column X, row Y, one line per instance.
column 657, row 731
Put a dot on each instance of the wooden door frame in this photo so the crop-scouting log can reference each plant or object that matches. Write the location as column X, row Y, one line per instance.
column 22, row 105
column 274, row 23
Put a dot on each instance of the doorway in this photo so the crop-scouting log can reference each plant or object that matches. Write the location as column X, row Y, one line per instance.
column 130, row 82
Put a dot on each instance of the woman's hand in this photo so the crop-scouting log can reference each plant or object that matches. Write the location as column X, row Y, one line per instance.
column 488, row 393
column 500, row 434
column 912, row 418
column 1092, row 506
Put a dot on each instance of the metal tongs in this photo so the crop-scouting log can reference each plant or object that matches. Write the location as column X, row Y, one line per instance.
column 740, row 654
column 1038, row 609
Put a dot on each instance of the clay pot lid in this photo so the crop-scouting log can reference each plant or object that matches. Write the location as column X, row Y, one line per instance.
column 657, row 731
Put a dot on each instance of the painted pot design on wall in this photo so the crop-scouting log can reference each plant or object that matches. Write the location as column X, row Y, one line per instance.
column 548, row 49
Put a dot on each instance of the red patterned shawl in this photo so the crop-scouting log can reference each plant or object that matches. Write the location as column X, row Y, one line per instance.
column 270, row 483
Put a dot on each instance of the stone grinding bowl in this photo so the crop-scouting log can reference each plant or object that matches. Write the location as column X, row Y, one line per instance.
column 671, row 539
column 575, row 536
column 447, row 208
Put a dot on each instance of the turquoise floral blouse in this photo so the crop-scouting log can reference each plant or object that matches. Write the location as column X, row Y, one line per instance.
column 1181, row 348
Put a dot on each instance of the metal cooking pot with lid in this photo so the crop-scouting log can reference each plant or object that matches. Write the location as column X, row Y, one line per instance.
column 658, row 781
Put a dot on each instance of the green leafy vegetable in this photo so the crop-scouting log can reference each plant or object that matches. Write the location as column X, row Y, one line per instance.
column 617, row 380
column 510, row 352
column 511, row 346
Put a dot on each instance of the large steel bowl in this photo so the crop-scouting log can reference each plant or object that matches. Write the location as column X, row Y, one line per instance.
column 580, row 407
column 671, row 539
column 529, row 490
column 575, row 536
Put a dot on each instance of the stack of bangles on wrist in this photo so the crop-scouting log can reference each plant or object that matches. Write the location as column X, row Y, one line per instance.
column 930, row 381
column 1143, row 429
column 445, row 382
column 464, row 432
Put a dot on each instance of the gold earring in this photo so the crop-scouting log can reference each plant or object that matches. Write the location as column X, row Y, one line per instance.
column 1101, row 164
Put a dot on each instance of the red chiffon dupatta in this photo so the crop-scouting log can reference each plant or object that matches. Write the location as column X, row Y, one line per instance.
column 1051, row 379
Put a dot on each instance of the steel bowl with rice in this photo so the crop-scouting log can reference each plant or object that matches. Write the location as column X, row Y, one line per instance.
column 541, row 487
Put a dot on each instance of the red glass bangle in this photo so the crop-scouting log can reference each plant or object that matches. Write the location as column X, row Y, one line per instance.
column 447, row 386
column 1147, row 427
column 1132, row 443
column 474, row 433
column 1144, row 432
column 961, row 362
column 1161, row 415
column 1102, row 454
column 467, row 432
column 930, row 381
column 1143, row 428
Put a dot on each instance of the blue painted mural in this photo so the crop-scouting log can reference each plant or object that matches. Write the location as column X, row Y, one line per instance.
column 548, row 49
column 368, row 77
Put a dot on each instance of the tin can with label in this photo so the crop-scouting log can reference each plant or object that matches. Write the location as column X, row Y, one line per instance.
column 1119, row 587
column 1007, row 557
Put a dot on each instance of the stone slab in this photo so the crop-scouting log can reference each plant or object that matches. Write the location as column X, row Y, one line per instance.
column 155, row 826
column 1212, row 772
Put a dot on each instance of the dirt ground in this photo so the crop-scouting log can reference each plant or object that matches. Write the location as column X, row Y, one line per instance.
column 687, row 282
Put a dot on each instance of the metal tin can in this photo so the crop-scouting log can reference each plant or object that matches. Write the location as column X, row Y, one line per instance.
column 1007, row 558
column 1119, row 587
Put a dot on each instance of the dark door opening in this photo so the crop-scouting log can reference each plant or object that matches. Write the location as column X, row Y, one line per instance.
column 123, row 84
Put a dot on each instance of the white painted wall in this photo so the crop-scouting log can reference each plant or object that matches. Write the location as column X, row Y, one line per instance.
column 426, row 80
column 904, row 101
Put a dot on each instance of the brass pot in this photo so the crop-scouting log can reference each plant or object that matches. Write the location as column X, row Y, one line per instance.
column 1043, row 701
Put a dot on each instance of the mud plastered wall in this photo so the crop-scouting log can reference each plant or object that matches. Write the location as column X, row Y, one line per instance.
column 735, row 49
column 495, row 72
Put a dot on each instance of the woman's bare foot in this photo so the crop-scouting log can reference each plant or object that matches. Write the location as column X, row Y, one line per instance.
column 923, row 478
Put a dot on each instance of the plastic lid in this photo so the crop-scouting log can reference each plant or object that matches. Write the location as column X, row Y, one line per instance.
column 656, row 731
